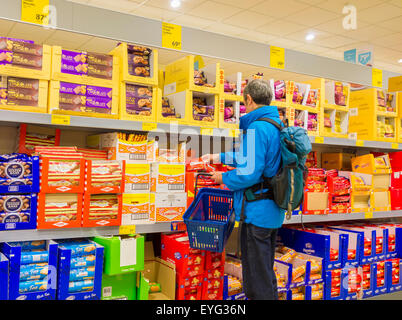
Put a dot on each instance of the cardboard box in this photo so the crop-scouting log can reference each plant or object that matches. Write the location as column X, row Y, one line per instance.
column 104, row 176
column 18, row 211
column 4, row 265
column 159, row 271
column 123, row 254
column 64, row 268
column 119, row 286
column 337, row 160
column 316, row 203
column 189, row 288
column 370, row 164
column 168, row 206
column 381, row 181
column 168, row 177
column 176, row 249
column 381, row 201
column 56, row 210
column 137, row 177
column 30, row 135
column 396, row 199
column 13, row 252
column 136, row 209
column 102, row 210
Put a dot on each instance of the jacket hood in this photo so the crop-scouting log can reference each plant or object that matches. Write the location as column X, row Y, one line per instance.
column 262, row 112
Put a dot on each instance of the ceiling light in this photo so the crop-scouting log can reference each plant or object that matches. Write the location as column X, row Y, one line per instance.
column 310, row 37
column 400, row 60
column 175, row 3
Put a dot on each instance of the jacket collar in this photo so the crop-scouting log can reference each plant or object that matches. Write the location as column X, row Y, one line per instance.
column 262, row 112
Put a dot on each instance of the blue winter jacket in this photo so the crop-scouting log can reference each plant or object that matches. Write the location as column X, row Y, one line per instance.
column 252, row 161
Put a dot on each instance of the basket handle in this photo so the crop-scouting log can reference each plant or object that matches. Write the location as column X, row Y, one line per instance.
column 196, row 181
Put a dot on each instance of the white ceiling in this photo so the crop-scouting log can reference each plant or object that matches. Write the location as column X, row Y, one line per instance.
column 285, row 23
column 282, row 23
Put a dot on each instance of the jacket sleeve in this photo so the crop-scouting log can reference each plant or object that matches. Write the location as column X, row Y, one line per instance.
column 228, row 158
column 250, row 160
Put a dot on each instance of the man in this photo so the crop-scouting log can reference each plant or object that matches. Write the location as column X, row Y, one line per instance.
column 263, row 217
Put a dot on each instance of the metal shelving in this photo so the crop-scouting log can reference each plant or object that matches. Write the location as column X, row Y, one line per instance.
column 23, row 235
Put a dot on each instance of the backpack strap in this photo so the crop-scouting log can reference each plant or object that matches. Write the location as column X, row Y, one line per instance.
column 273, row 122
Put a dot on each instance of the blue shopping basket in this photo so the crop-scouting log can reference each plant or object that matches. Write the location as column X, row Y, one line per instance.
column 210, row 219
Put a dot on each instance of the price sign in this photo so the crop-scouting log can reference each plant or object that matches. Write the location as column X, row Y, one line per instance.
column 207, row 131
column 395, row 145
column 359, row 143
column 377, row 77
column 319, row 140
column 277, row 57
column 127, row 230
column 35, row 11
column 368, row 215
column 171, row 36
column 60, row 119
column 149, row 126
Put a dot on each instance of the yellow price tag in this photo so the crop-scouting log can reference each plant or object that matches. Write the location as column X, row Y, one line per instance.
column 368, row 215
column 236, row 224
column 395, row 145
column 127, row 229
column 377, row 77
column 207, row 131
column 359, row 143
column 171, row 36
column 319, row 140
column 277, row 57
column 61, row 119
column 35, row 11
column 149, row 126
column 234, row 133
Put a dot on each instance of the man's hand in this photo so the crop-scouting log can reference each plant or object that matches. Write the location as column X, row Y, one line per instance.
column 217, row 177
column 211, row 158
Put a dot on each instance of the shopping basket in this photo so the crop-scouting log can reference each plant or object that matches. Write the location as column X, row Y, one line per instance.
column 210, row 219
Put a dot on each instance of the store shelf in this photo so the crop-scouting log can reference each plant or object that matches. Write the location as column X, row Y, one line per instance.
column 342, row 217
column 48, row 234
column 356, row 143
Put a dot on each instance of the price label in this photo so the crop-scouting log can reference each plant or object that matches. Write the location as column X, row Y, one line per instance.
column 234, row 133
column 60, row 119
column 149, row 126
column 277, row 57
column 171, row 36
column 178, row 226
column 319, row 140
column 377, row 77
column 359, row 143
column 127, row 229
column 35, row 11
column 207, row 131
column 236, row 224
column 368, row 215
column 395, row 145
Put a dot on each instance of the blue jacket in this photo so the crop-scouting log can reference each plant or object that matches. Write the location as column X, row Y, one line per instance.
column 252, row 161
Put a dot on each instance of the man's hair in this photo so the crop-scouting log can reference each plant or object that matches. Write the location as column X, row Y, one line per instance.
column 260, row 91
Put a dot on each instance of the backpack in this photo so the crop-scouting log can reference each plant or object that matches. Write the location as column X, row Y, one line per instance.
column 286, row 188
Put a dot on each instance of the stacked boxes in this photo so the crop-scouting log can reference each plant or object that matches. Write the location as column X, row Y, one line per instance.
column 123, row 256
column 339, row 188
column 233, row 286
column 80, row 264
column 33, row 269
column 190, row 266
column 30, row 136
column 380, row 168
column 4, row 266
column 19, row 185
column 396, row 180
column 316, row 192
column 62, row 186
column 213, row 284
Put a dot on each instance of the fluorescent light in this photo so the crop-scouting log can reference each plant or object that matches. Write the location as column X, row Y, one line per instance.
column 175, row 3
column 310, row 36
column 400, row 60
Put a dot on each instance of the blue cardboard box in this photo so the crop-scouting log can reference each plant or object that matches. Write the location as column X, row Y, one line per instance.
column 3, row 277
column 18, row 211
column 380, row 288
column 64, row 270
column 14, row 252
column 314, row 244
column 20, row 173
column 393, row 287
column 352, row 241
column 328, row 285
column 366, row 293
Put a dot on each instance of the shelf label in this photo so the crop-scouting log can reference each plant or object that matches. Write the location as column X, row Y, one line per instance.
column 60, row 119
column 368, row 215
column 395, row 145
column 171, row 36
column 127, row 229
column 359, row 143
column 236, row 224
column 149, row 126
column 319, row 140
column 207, row 131
column 35, row 11
column 277, row 57
column 377, row 77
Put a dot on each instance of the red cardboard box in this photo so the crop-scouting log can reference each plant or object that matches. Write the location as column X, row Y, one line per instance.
column 396, row 199
column 212, row 289
column 215, row 273
column 214, row 260
column 396, row 178
column 102, row 210
column 188, row 288
column 176, row 249
column 105, row 176
column 395, row 159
